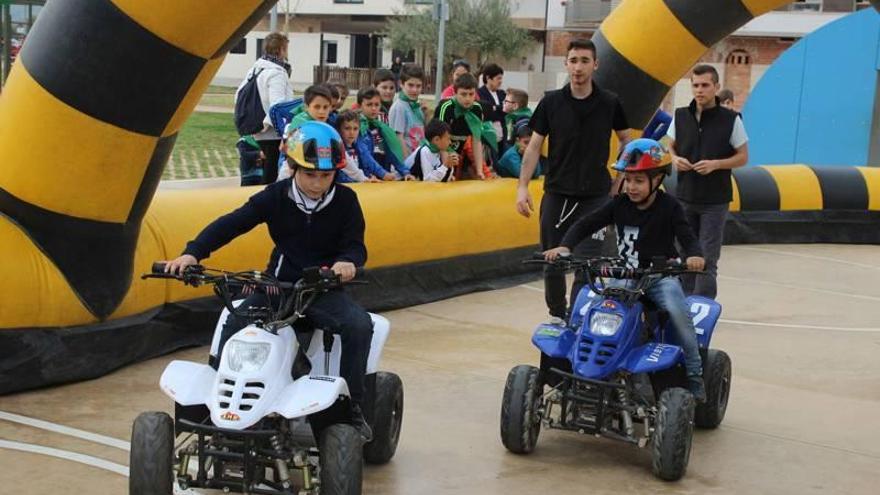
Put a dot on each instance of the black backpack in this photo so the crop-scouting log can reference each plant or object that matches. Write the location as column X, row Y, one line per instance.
column 249, row 113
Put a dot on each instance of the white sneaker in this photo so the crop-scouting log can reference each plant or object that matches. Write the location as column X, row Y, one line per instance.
column 557, row 321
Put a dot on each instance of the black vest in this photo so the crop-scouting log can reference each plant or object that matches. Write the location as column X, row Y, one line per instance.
column 708, row 139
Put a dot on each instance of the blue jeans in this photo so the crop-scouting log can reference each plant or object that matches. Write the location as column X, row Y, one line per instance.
column 666, row 293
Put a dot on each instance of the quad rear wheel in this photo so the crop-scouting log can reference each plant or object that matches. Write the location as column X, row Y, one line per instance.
column 717, row 377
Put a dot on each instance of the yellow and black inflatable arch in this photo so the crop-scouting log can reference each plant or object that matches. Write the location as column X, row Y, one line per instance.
column 89, row 117
column 645, row 46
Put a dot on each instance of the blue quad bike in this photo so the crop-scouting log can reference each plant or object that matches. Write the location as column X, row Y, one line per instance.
column 614, row 371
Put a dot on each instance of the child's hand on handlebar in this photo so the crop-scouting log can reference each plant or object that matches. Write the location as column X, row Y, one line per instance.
column 695, row 263
column 553, row 254
column 176, row 267
column 346, row 270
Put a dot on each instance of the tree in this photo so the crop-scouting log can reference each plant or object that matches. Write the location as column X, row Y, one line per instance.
column 482, row 28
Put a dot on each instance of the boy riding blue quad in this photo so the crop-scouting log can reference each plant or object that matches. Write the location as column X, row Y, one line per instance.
column 313, row 222
column 648, row 223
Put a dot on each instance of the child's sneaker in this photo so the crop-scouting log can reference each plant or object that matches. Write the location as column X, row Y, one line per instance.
column 697, row 388
column 557, row 321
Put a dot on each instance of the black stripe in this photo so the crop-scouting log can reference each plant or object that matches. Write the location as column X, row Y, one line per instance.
column 710, row 20
column 843, row 188
column 757, row 189
column 152, row 175
column 96, row 258
column 245, row 28
column 93, row 57
column 639, row 93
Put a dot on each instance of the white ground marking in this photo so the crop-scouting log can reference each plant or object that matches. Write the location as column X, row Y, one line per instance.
column 800, row 287
column 66, row 455
column 66, row 430
column 802, row 255
column 768, row 325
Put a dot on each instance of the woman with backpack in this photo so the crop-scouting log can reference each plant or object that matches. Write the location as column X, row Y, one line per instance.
column 266, row 83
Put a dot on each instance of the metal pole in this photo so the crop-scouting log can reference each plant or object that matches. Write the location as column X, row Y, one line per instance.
column 6, row 29
column 441, row 7
column 273, row 19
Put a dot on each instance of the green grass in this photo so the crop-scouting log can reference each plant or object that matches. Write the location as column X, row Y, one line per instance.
column 219, row 100
column 205, row 132
column 226, row 90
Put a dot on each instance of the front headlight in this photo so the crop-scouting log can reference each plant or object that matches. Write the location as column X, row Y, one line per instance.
column 247, row 357
column 604, row 324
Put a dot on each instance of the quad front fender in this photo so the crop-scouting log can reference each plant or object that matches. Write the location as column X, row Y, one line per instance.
column 652, row 357
column 309, row 394
column 188, row 383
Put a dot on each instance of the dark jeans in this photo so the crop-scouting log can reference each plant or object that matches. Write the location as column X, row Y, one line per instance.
column 270, row 164
column 707, row 222
column 334, row 311
column 558, row 214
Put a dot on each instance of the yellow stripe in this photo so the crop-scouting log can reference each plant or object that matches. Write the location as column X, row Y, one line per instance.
column 872, row 180
column 199, row 27
column 192, row 96
column 44, row 297
column 60, row 159
column 651, row 37
column 798, row 186
column 735, row 204
column 758, row 7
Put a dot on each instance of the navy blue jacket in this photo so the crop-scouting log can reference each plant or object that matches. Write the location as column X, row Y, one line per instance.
column 335, row 233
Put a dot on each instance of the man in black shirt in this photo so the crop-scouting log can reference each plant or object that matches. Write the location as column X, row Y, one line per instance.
column 708, row 141
column 648, row 222
column 578, row 120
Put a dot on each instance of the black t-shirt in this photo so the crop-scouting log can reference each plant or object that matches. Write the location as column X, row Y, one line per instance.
column 641, row 234
column 580, row 133
column 459, row 130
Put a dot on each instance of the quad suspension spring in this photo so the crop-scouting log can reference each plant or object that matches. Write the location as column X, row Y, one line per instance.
column 280, row 464
column 627, row 419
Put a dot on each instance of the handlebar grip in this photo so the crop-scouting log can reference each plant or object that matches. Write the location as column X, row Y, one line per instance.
column 158, row 267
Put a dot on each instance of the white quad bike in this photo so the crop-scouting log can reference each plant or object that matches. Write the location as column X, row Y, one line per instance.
column 275, row 417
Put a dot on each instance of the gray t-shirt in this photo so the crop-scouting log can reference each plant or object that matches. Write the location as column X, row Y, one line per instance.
column 403, row 119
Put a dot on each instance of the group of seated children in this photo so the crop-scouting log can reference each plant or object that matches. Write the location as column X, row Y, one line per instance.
column 389, row 137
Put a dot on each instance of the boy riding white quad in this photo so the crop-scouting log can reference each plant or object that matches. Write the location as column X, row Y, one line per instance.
column 648, row 223
column 313, row 222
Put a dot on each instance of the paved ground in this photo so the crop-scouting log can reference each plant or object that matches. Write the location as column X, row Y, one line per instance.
column 800, row 323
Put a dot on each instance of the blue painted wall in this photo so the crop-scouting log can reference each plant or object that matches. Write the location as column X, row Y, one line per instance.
column 814, row 105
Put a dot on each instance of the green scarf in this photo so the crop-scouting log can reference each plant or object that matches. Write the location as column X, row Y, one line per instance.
column 474, row 122
column 414, row 105
column 392, row 142
column 490, row 137
column 512, row 117
column 250, row 141
column 297, row 121
column 434, row 149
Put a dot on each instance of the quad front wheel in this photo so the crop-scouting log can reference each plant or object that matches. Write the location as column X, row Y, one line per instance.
column 341, row 460
column 673, row 434
column 520, row 409
column 151, row 470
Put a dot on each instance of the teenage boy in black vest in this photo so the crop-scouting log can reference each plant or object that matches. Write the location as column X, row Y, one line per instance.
column 578, row 120
column 708, row 141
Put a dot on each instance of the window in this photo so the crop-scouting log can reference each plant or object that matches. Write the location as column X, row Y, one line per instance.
column 348, row 1
column 240, row 47
column 330, row 52
column 419, row 2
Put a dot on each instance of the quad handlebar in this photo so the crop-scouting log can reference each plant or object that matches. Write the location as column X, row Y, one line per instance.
column 292, row 298
column 602, row 267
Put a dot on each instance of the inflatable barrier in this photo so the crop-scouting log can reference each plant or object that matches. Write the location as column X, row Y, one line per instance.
column 89, row 117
